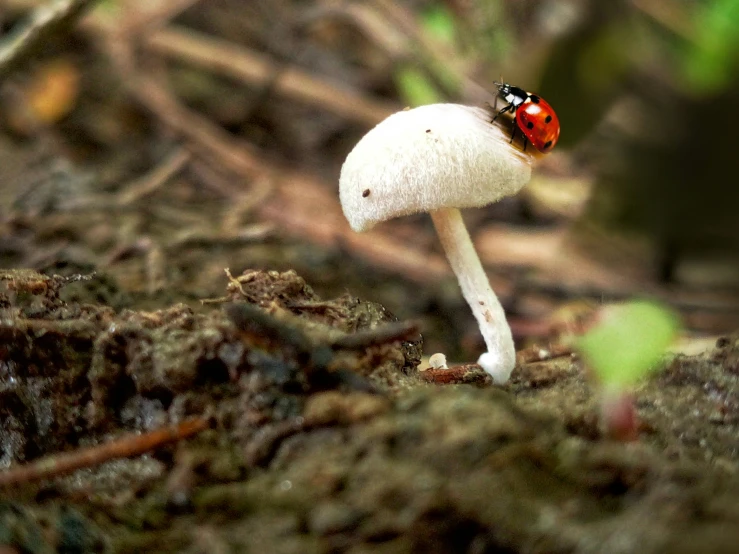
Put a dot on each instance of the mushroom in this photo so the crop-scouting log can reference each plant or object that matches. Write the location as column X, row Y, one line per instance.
column 437, row 361
column 440, row 158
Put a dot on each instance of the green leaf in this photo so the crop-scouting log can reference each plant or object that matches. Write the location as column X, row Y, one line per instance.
column 439, row 23
column 712, row 57
column 415, row 88
column 628, row 343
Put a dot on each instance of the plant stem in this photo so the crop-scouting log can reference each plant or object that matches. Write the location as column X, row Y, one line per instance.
column 618, row 414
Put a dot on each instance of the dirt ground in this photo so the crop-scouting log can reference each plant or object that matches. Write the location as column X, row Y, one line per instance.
column 316, row 444
column 151, row 400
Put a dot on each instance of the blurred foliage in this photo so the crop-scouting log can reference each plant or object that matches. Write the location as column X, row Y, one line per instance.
column 587, row 66
column 439, row 23
column 666, row 164
column 628, row 343
column 415, row 88
column 647, row 93
column 583, row 78
column 710, row 63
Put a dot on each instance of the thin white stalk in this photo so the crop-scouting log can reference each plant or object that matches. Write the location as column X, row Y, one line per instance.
column 500, row 359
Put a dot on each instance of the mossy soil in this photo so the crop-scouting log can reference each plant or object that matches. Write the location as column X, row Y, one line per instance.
column 318, row 444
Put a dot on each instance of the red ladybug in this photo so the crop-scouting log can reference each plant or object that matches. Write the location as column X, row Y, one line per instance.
column 533, row 115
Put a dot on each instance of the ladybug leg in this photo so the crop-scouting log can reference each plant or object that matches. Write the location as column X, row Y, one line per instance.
column 513, row 134
column 504, row 110
column 525, row 142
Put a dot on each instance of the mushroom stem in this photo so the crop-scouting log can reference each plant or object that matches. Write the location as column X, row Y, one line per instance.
column 500, row 359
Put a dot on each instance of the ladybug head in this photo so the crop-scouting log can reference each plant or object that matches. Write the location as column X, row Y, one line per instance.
column 503, row 88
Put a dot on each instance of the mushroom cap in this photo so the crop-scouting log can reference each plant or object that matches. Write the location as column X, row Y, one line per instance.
column 430, row 157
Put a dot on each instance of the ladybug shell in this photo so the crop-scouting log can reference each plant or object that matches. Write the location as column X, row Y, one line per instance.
column 537, row 120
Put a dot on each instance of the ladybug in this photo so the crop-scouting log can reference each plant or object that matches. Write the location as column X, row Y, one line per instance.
column 532, row 114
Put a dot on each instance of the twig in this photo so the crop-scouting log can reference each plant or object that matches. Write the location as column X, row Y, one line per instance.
column 142, row 18
column 244, row 203
column 268, row 332
column 262, row 448
column 384, row 334
column 206, row 136
column 251, row 68
column 305, row 208
column 127, row 446
column 156, row 269
column 45, row 22
column 150, row 182
column 218, row 179
column 468, row 374
column 250, row 234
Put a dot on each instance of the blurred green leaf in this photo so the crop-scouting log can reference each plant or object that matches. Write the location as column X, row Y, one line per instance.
column 712, row 57
column 628, row 343
column 439, row 23
column 415, row 87
column 109, row 5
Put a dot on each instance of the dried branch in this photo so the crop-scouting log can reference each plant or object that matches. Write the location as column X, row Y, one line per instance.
column 45, row 23
column 254, row 69
column 305, row 208
column 205, row 136
column 467, row 374
column 125, row 447
column 383, row 334
column 156, row 178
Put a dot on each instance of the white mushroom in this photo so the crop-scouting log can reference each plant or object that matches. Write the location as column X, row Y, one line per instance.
column 437, row 159
column 438, row 361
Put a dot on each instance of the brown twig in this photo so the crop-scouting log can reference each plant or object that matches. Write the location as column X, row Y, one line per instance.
column 45, row 22
column 305, row 208
column 260, row 450
column 247, row 66
column 156, row 269
column 126, row 446
column 249, row 234
column 384, row 334
column 244, row 203
column 468, row 374
column 251, row 68
column 204, row 135
column 152, row 181
column 142, row 17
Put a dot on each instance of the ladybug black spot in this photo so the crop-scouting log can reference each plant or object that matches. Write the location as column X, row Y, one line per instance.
column 529, row 125
column 548, row 119
column 535, row 99
column 548, row 145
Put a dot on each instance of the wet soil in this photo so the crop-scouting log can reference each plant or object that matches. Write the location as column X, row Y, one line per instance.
column 320, row 444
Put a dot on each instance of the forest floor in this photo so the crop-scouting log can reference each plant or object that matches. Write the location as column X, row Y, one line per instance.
column 315, row 431
column 152, row 400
